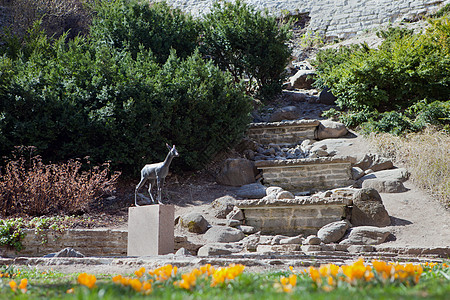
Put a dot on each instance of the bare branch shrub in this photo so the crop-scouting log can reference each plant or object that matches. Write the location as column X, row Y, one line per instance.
column 58, row 16
column 28, row 186
column 425, row 154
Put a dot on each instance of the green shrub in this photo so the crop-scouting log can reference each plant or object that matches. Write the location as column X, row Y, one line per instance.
column 247, row 43
column 126, row 24
column 11, row 233
column 206, row 111
column 406, row 68
column 77, row 98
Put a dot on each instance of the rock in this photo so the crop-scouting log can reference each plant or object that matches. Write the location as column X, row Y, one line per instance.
column 183, row 242
column 273, row 190
column 285, row 113
column 321, row 153
column 366, row 235
column 303, row 79
column 247, row 229
column 223, row 206
column 237, row 172
column 66, row 252
column 311, row 248
column 386, row 181
column 285, row 195
column 222, row 234
column 251, row 191
column 292, row 240
column 182, row 252
column 374, row 162
column 276, row 239
column 368, row 209
column 357, row 173
column 266, row 239
column 333, row 232
column 251, row 242
column 326, row 97
column 233, row 223
column 360, row 248
column 384, row 186
column 219, row 249
column 312, row 240
column 194, row 222
column 330, row 129
column 236, row 214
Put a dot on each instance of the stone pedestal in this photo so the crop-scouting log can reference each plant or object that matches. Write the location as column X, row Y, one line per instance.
column 150, row 230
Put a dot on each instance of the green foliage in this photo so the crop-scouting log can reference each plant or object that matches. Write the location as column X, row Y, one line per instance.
column 403, row 70
column 206, row 112
column 11, row 233
column 77, row 98
column 247, row 43
column 444, row 11
column 125, row 24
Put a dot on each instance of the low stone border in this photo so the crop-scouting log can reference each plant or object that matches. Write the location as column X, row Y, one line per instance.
column 283, row 133
column 308, row 174
column 252, row 261
column 90, row 242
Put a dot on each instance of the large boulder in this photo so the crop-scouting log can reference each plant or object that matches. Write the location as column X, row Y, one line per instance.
column 303, row 79
column 194, row 222
column 329, row 129
column 237, row 172
column 222, row 234
column 326, row 97
column 285, row 113
column 333, row 232
column 219, row 249
column 251, row 191
column 368, row 209
column 366, row 235
column 374, row 162
column 386, row 181
column 222, row 206
column 66, row 252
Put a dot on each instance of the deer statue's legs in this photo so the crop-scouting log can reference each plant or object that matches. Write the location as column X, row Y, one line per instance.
column 160, row 182
column 150, row 190
column 140, row 184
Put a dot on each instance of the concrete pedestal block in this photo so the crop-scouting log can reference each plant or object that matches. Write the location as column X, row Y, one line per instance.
column 150, row 230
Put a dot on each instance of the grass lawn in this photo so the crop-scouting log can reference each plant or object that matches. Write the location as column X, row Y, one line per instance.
column 360, row 280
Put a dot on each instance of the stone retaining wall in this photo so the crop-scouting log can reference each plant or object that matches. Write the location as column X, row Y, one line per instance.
column 334, row 18
column 283, row 133
column 90, row 242
column 302, row 215
column 309, row 174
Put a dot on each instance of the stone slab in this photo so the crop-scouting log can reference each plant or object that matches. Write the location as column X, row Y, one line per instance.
column 150, row 230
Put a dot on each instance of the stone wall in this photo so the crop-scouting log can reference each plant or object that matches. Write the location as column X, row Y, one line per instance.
column 334, row 18
column 309, row 174
column 283, row 133
column 91, row 242
column 302, row 215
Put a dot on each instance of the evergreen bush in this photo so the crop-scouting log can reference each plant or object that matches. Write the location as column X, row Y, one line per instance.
column 130, row 24
column 251, row 45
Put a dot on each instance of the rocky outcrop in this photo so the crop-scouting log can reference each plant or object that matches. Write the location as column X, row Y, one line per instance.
column 329, row 129
column 222, row 206
column 194, row 222
column 237, row 172
column 222, row 234
column 368, row 209
column 333, row 232
column 386, row 181
column 366, row 235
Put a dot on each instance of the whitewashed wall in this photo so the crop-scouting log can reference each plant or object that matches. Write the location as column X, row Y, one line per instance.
column 338, row 18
